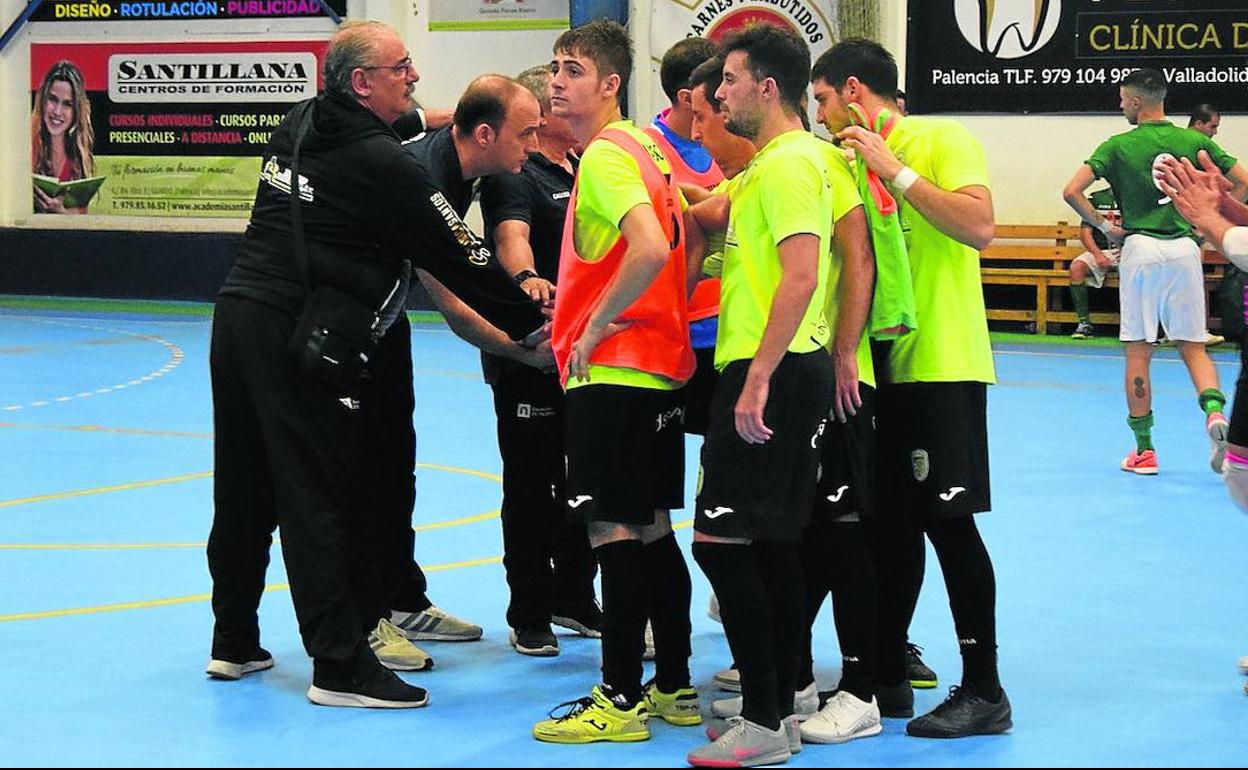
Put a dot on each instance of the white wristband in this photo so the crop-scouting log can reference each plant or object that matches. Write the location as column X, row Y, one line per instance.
column 905, row 179
column 1105, row 226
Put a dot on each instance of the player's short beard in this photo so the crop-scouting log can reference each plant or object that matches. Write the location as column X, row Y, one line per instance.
column 745, row 126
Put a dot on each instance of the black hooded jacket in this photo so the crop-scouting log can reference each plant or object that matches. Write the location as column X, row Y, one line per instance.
column 367, row 205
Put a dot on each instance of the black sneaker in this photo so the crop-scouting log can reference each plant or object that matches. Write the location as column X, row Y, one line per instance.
column 584, row 618
column 896, row 701
column 963, row 713
column 364, row 684
column 234, row 667
column 536, row 639
column 921, row 677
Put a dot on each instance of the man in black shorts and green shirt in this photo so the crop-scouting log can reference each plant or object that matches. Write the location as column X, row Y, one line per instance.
column 932, row 399
column 771, row 403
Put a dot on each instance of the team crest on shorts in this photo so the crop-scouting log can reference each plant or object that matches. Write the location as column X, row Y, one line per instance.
column 921, row 464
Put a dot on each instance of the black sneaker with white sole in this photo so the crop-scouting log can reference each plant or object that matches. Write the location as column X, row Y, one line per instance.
column 963, row 714
column 362, row 684
column 234, row 667
column 536, row 639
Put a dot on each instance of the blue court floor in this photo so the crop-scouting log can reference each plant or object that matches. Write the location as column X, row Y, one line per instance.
column 1123, row 603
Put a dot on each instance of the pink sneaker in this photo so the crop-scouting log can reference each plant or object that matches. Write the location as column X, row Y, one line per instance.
column 1217, row 428
column 1143, row 463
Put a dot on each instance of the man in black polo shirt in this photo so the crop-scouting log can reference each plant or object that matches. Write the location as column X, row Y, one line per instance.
column 494, row 126
column 524, row 216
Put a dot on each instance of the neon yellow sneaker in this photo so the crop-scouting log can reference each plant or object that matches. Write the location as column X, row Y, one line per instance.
column 678, row 708
column 593, row 719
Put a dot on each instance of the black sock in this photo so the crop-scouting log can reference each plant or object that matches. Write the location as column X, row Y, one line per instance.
column 781, row 568
column 623, row 566
column 670, row 591
column 899, row 553
column 744, row 607
column 815, row 564
column 972, row 598
column 854, row 598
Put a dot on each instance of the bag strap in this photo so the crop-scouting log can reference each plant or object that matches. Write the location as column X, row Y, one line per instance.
column 296, row 219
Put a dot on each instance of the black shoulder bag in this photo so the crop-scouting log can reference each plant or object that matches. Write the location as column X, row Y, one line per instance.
column 336, row 333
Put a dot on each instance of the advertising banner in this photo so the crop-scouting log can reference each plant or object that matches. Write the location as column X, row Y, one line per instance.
column 460, row 15
column 1020, row 56
column 160, row 129
column 182, row 10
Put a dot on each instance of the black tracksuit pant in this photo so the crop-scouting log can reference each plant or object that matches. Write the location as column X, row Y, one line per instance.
column 536, row 529
column 286, row 453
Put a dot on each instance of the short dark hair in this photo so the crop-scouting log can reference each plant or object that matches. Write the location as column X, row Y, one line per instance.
column 680, row 61
column 1203, row 113
column 607, row 44
column 1148, row 83
column 485, row 101
column 777, row 53
column 858, row 57
column 709, row 74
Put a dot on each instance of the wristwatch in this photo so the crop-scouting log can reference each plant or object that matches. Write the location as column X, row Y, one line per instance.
column 524, row 275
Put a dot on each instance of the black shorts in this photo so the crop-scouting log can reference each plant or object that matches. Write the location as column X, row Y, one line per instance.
column 765, row 491
column 933, row 449
column 1239, row 409
column 847, row 464
column 699, row 391
column 626, row 453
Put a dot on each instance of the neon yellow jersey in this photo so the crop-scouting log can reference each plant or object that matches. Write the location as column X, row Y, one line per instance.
column 951, row 343
column 785, row 191
column 845, row 198
column 610, row 186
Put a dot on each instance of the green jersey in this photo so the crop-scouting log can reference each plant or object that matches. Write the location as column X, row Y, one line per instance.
column 1127, row 161
column 951, row 342
column 785, row 191
column 845, row 198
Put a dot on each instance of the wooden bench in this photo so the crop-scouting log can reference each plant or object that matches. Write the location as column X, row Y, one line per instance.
column 1039, row 256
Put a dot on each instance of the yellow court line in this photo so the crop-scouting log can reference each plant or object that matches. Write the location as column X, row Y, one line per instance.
column 104, row 490
column 461, row 521
column 204, row 475
column 103, row 429
column 194, row 598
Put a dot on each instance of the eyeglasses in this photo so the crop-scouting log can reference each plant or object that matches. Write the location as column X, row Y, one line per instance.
column 399, row 69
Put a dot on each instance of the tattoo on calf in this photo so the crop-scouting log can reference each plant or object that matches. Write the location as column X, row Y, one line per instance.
column 1139, row 387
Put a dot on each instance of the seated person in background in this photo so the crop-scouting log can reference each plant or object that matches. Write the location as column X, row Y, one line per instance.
column 1090, row 268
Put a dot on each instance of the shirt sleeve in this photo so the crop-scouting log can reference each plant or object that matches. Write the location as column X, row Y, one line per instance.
column 845, row 195
column 425, row 222
column 506, row 197
column 1224, row 160
column 959, row 161
column 792, row 191
column 1100, row 159
column 611, row 185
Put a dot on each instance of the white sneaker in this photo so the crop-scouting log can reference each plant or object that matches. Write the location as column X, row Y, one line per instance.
column 843, row 718
column 1243, row 665
column 1218, row 429
column 434, row 625
column 805, row 704
column 729, row 679
column 648, row 653
column 712, row 610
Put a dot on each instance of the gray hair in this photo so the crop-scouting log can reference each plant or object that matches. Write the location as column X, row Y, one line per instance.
column 354, row 45
column 537, row 80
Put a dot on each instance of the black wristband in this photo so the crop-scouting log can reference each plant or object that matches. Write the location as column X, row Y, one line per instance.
column 524, row 275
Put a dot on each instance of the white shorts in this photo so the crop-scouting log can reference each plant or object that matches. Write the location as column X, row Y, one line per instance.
column 1161, row 282
column 1096, row 273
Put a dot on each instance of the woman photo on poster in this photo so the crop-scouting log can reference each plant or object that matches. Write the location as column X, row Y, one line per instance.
column 61, row 140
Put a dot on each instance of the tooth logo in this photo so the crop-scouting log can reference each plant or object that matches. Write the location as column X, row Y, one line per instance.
column 1008, row 29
